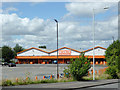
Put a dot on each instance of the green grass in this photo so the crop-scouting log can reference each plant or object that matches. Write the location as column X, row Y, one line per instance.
column 97, row 77
column 64, row 79
column 25, row 82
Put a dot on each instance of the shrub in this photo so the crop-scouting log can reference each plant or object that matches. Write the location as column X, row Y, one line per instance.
column 112, row 56
column 112, row 72
column 49, row 81
column 78, row 68
column 7, row 83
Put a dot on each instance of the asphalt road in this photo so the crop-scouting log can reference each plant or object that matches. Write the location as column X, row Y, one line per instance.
column 32, row 70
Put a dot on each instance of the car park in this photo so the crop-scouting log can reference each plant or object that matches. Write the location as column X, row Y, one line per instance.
column 12, row 65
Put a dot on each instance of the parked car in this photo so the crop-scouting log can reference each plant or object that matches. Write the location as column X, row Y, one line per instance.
column 12, row 65
column 4, row 64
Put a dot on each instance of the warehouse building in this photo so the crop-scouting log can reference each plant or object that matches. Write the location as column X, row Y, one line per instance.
column 45, row 56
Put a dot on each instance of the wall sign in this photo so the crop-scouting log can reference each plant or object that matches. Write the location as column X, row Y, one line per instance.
column 64, row 52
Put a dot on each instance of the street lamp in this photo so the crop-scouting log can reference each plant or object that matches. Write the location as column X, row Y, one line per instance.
column 94, row 41
column 57, row 49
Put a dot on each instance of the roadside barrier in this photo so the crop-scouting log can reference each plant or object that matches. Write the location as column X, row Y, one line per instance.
column 95, row 72
column 92, row 72
column 64, row 74
column 36, row 78
column 26, row 78
column 50, row 76
column 43, row 77
column 16, row 79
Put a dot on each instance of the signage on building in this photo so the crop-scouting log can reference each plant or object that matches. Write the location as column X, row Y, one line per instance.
column 64, row 52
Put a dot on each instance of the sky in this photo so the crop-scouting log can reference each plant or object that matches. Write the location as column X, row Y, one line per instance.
column 31, row 24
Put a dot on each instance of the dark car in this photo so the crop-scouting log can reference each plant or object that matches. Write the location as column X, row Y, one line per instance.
column 12, row 65
column 4, row 64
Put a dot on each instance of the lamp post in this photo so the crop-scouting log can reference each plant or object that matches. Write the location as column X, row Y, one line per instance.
column 94, row 41
column 113, row 38
column 57, row 49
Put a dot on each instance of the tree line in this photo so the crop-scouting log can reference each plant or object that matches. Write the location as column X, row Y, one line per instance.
column 9, row 53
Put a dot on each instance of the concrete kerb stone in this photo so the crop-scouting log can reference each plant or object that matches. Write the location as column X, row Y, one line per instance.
column 99, row 83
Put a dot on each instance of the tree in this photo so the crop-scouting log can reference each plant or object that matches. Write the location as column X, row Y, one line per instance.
column 112, row 56
column 42, row 47
column 7, row 53
column 18, row 48
column 79, row 67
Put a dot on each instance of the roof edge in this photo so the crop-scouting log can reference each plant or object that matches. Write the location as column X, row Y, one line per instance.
column 64, row 48
column 60, row 49
column 30, row 49
column 95, row 48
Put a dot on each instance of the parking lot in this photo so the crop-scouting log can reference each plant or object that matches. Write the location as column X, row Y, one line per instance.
column 32, row 70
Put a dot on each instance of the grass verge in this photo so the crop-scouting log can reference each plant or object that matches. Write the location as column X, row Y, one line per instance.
column 25, row 82
column 97, row 77
column 64, row 79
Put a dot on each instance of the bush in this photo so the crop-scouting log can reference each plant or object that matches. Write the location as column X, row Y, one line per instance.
column 7, row 83
column 112, row 56
column 49, row 81
column 112, row 72
column 78, row 68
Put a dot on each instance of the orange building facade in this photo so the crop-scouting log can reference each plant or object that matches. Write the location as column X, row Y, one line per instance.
column 44, row 56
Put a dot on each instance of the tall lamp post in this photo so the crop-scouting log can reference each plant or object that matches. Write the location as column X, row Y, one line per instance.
column 94, row 41
column 57, row 49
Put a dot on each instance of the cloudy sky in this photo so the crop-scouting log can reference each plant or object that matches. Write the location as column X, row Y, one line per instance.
column 32, row 24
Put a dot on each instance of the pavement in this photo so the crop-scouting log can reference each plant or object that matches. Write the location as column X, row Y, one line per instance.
column 114, row 85
column 69, row 85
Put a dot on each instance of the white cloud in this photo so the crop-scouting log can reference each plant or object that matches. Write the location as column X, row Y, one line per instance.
column 73, row 34
column 85, row 9
column 36, row 31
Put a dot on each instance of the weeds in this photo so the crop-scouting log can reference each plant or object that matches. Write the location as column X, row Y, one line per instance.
column 97, row 77
column 25, row 82
column 64, row 79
